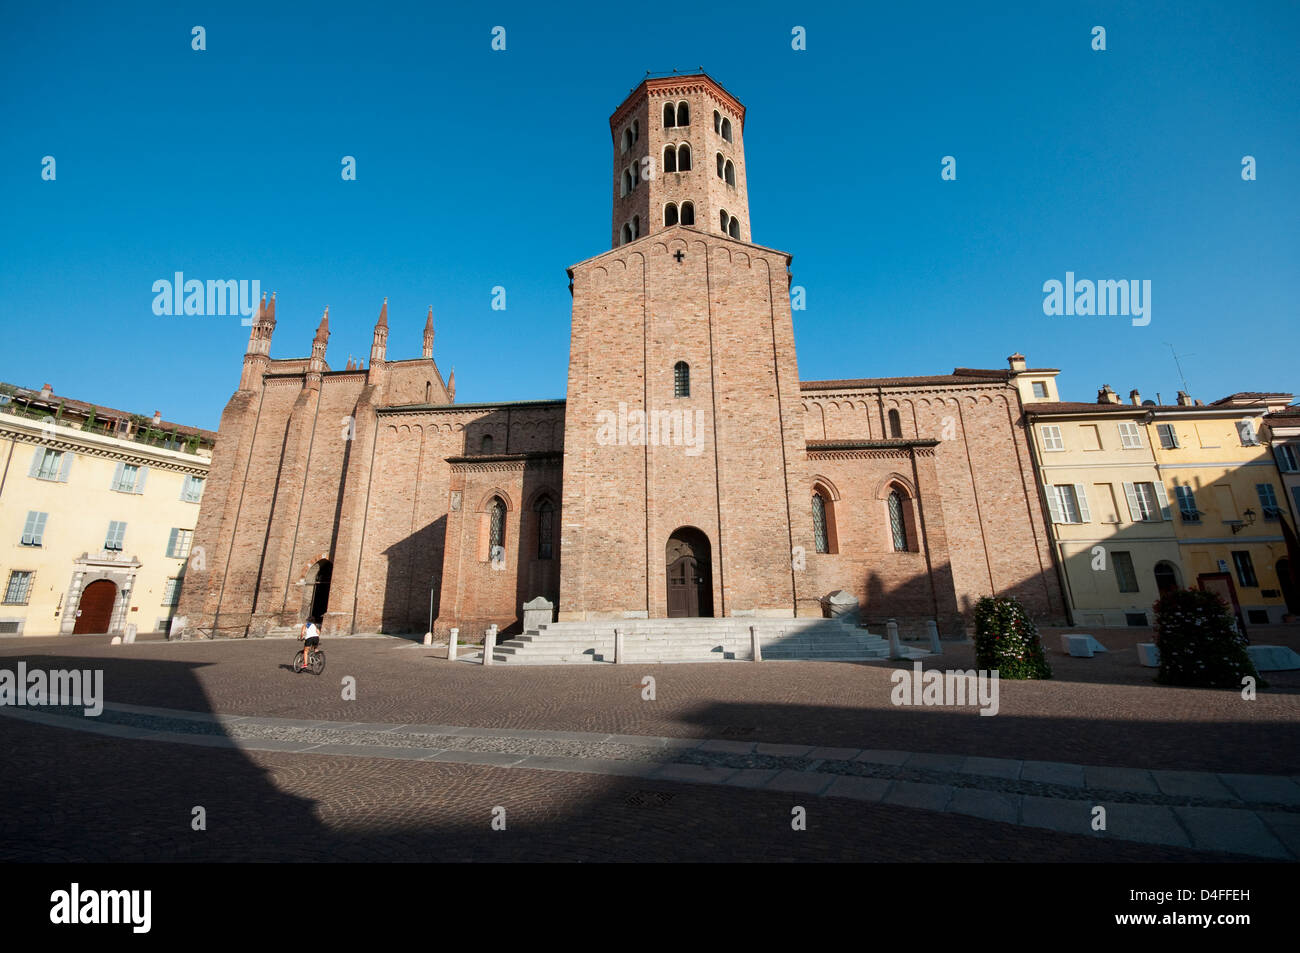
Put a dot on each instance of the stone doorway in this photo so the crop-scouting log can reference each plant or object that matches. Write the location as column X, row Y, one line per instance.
column 316, row 593
column 690, row 574
column 95, row 610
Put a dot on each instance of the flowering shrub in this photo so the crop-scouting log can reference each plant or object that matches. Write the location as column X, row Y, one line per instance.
column 1198, row 644
column 1006, row 640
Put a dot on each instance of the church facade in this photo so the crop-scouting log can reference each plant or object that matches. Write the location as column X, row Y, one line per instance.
column 687, row 472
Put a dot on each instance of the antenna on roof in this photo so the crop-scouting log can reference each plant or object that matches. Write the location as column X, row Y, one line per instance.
column 1178, row 364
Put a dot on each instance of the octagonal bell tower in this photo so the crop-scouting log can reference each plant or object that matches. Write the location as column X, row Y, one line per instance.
column 679, row 158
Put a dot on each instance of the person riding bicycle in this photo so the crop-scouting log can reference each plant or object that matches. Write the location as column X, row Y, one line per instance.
column 310, row 636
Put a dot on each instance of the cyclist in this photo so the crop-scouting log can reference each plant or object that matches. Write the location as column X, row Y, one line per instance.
column 310, row 636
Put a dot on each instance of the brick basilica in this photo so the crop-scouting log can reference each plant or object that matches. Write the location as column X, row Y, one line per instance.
column 688, row 472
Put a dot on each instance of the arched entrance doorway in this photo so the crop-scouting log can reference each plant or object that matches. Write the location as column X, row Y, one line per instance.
column 1166, row 577
column 95, row 610
column 690, row 574
column 1289, row 593
column 316, row 593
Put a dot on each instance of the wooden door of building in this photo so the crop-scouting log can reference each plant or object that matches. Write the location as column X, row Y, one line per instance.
column 95, row 610
column 690, row 574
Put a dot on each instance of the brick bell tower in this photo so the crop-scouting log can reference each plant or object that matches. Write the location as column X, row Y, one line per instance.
column 685, row 485
column 679, row 159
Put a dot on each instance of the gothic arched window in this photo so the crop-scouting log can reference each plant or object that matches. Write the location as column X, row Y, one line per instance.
column 627, row 234
column 722, row 219
column 683, row 158
column 683, row 114
column 726, row 129
column 720, row 164
column 627, row 181
column 496, row 527
column 895, row 425
column 681, row 379
column 731, row 173
column 636, row 226
column 627, row 140
column 717, row 121
column 733, row 228
column 897, row 524
column 670, row 116
column 820, row 536
column 688, row 213
column 670, row 214
column 545, row 511
column 670, row 159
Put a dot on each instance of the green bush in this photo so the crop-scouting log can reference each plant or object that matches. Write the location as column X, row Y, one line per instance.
column 1006, row 640
column 1198, row 642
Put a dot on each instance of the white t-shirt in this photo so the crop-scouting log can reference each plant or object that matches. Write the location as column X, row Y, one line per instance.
column 312, row 632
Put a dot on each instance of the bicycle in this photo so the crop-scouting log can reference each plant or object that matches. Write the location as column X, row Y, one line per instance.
column 315, row 660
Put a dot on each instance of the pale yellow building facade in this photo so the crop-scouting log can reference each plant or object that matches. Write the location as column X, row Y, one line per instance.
column 97, row 513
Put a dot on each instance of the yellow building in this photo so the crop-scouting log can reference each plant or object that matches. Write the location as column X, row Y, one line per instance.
column 1227, row 494
column 1112, row 528
column 97, row 511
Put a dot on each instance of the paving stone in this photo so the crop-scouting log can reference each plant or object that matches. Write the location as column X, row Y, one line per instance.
column 1263, row 788
column 432, row 729
column 1052, row 772
column 831, row 754
column 859, row 789
column 992, row 767
column 991, row 805
column 274, row 744
column 373, row 751
column 498, row 758
column 785, row 751
column 1146, row 823
column 1119, row 779
column 728, row 747
column 694, row 772
column 801, row 782
column 930, row 797
column 1192, row 784
column 1058, row 814
column 752, row 777
column 1233, row 831
column 936, row 762
column 876, row 756
column 1285, row 827
column 631, row 769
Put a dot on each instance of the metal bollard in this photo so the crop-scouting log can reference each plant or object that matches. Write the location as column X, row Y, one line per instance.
column 451, row 644
column 935, row 647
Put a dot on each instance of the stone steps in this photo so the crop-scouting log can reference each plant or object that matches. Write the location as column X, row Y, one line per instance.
column 649, row 641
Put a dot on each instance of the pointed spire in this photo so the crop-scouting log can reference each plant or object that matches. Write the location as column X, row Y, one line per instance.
column 451, row 383
column 428, row 334
column 383, row 314
column 379, row 344
column 270, row 310
column 323, row 331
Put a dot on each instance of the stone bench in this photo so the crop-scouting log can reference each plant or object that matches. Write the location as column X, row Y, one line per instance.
column 1080, row 644
column 1273, row 658
column 1148, row 654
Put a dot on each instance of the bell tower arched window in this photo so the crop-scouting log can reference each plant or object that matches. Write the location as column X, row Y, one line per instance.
column 683, row 158
column 681, row 379
column 670, row 159
column 670, row 214
column 683, row 114
column 688, row 213
column 670, row 116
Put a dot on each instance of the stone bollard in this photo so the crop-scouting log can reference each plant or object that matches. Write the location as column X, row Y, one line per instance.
column 935, row 647
column 755, row 644
column 489, row 644
column 618, row 647
column 895, row 650
column 129, row 636
column 428, row 638
column 452, row 639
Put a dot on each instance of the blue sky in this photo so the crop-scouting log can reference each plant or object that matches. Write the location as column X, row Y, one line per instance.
column 478, row 168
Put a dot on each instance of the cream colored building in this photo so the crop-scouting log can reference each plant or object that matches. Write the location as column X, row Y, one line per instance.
column 97, row 512
column 1228, row 495
column 1112, row 525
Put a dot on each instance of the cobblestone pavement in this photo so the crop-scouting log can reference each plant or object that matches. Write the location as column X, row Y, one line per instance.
column 69, row 794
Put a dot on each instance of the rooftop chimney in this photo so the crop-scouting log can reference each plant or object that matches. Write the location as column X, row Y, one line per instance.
column 1106, row 395
column 1135, row 398
column 1184, row 399
column 1016, row 361
column 157, row 417
column 46, row 391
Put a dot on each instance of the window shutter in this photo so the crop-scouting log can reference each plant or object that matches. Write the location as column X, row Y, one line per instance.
column 140, row 477
column 1081, row 495
column 37, row 457
column 1162, row 497
column 117, row 476
column 1054, row 505
column 40, row 527
column 29, row 528
column 1134, row 508
column 187, row 488
column 67, row 466
column 171, row 542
